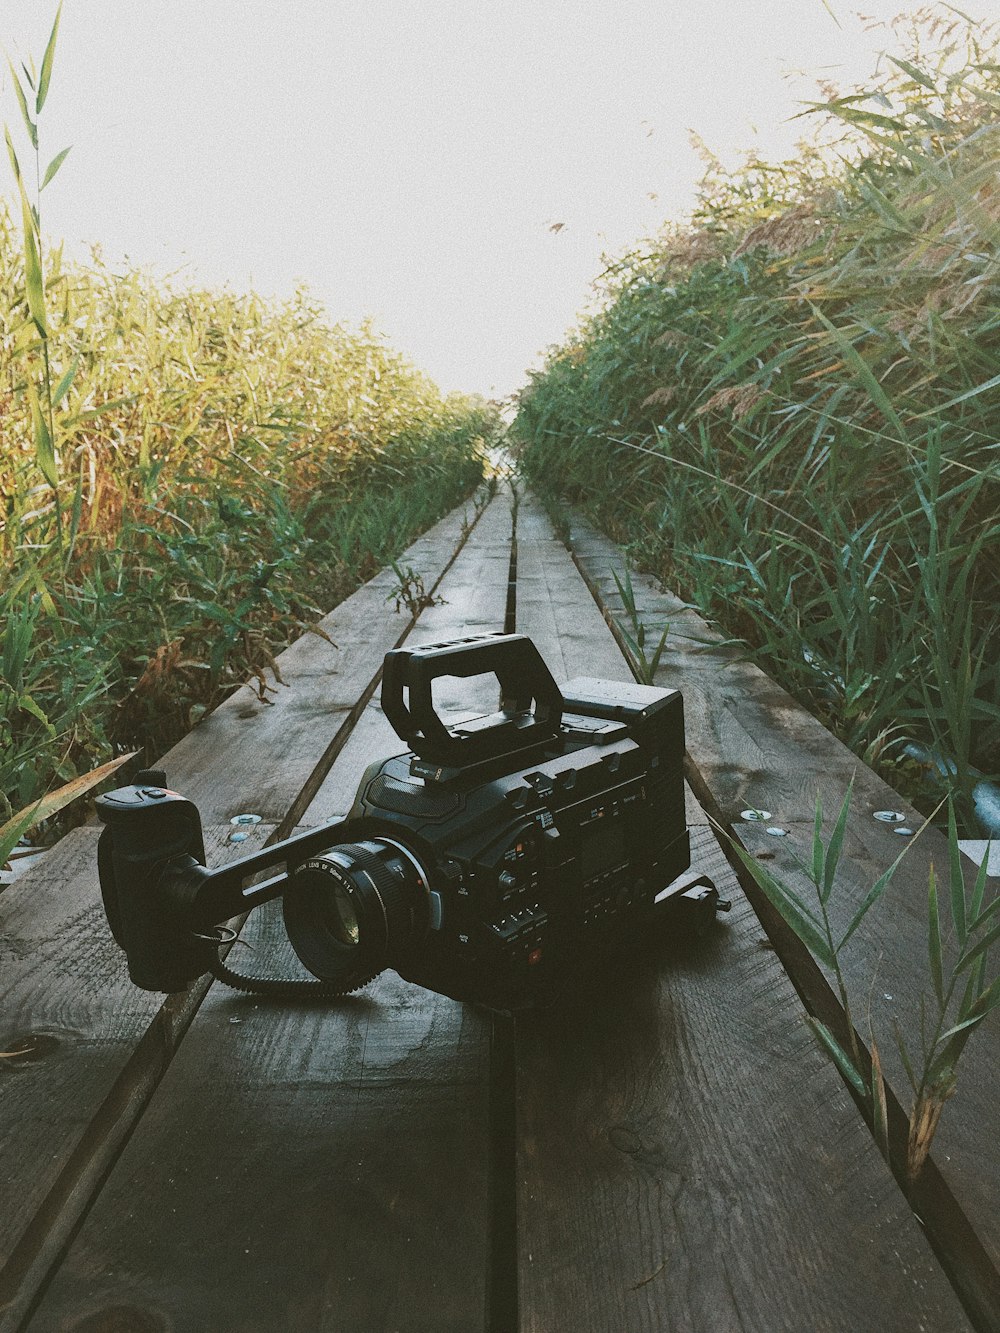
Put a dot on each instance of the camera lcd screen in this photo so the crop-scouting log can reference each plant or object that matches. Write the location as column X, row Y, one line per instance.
column 601, row 850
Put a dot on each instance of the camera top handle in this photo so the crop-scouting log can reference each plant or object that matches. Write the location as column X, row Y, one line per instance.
column 530, row 700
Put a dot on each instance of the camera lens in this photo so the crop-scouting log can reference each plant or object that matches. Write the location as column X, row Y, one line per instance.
column 349, row 911
column 343, row 917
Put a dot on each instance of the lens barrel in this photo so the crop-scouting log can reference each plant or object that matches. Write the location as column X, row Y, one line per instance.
column 349, row 911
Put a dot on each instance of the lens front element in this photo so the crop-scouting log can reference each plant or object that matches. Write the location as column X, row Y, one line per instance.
column 343, row 917
column 350, row 910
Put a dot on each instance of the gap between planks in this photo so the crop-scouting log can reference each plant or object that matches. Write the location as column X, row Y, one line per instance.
column 121, row 1046
column 361, row 1105
column 751, row 745
column 644, row 1105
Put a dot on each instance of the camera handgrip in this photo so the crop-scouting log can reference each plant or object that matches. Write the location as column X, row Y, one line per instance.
column 526, row 687
column 146, row 829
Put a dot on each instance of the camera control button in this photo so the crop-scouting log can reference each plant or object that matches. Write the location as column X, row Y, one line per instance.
column 436, row 909
column 123, row 796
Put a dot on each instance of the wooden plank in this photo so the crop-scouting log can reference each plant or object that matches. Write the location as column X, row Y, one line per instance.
column 888, row 974
column 96, row 1047
column 249, row 755
column 306, row 1167
column 102, row 1044
column 554, row 606
column 641, row 1107
column 752, row 746
column 688, row 1159
column 557, row 611
column 473, row 600
column 303, row 1166
column 756, row 746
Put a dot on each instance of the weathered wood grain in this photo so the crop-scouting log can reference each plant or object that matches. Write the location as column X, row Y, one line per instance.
column 96, row 1045
column 249, row 755
column 753, row 746
column 556, row 610
column 103, row 1044
column 307, row 1167
column 473, row 600
column 689, row 1160
column 331, row 1160
column 665, row 1122
column 887, row 970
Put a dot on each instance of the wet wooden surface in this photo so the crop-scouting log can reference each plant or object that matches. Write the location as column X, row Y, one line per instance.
column 666, row 1149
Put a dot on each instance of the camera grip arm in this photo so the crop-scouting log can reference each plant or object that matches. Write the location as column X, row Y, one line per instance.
column 163, row 905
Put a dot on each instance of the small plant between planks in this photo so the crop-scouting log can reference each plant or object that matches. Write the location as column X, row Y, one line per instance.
column 960, row 994
column 645, row 664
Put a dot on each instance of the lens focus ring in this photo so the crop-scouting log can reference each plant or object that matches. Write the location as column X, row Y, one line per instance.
column 349, row 910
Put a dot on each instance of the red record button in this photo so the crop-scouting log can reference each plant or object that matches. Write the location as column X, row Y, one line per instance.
column 534, row 957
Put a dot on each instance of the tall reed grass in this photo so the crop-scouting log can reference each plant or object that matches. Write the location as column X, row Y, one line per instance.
column 789, row 408
column 187, row 478
column 227, row 468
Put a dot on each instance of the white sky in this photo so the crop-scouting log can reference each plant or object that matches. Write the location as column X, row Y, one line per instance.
column 406, row 158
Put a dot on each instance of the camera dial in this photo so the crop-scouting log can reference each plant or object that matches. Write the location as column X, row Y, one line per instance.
column 350, row 911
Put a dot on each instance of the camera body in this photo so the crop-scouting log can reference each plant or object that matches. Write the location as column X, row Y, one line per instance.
column 529, row 870
column 487, row 863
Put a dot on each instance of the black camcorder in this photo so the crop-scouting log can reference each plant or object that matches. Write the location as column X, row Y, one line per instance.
column 488, row 863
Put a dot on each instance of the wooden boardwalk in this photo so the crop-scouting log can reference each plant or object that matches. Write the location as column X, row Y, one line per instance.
column 664, row 1150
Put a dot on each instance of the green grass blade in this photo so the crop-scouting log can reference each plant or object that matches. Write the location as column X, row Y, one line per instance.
column 987, row 1000
column 878, row 1102
column 979, row 889
column 832, row 857
column 22, row 102
column 934, row 938
column 45, row 455
column 839, row 1056
column 46, row 71
column 789, row 907
column 65, row 383
column 917, row 75
column 16, row 827
column 15, row 165
column 965, row 1026
column 956, row 879
column 904, row 1054
column 33, row 282
column 851, row 355
column 979, row 948
column 870, row 899
column 818, row 854
column 54, row 165
column 940, row 408
column 14, row 830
